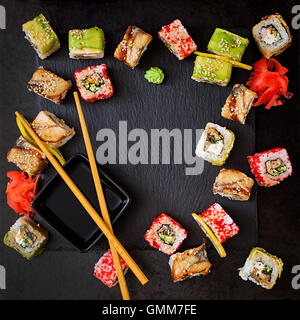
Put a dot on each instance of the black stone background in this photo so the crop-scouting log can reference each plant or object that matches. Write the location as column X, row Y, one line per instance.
column 61, row 272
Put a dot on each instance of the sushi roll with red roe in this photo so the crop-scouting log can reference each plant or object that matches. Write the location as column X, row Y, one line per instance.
column 105, row 269
column 94, row 83
column 165, row 234
column 177, row 39
column 270, row 167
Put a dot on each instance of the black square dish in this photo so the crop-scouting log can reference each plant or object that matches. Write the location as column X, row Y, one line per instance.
column 57, row 205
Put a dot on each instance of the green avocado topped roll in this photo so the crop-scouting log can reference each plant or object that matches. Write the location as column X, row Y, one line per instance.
column 86, row 43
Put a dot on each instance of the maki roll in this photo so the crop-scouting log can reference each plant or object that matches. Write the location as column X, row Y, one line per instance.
column 270, row 167
column 86, row 43
column 262, row 268
column 220, row 222
column 238, row 104
column 190, row 263
column 133, row 45
column 41, row 36
column 215, row 144
column 165, row 234
column 49, row 85
column 272, row 35
column 94, row 83
column 27, row 157
column 105, row 269
column 227, row 44
column 212, row 70
column 177, row 39
column 233, row 184
column 26, row 237
column 51, row 129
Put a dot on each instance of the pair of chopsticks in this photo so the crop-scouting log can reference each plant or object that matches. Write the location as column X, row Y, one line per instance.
column 104, row 224
column 101, row 199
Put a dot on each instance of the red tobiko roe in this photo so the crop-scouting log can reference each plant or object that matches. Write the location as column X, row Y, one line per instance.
column 269, row 81
column 20, row 191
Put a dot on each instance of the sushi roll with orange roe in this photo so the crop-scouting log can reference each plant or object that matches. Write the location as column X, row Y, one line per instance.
column 270, row 167
column 177, row 39
column 94, row 83
column 165, row 234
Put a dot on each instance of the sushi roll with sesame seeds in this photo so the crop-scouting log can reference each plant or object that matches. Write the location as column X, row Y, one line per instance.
column 272, row 35
column 212, row 71
column 41, row 36
column 228, row 44
column 86, row 43
column 270, row 167
column 165, row 234
column 215, row 144
column 48, row 85
column 177, row 39
column 133, row 45
column 94, row 83
column 238, row 103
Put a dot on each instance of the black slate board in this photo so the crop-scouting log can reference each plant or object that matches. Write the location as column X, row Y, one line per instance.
column 179, row 103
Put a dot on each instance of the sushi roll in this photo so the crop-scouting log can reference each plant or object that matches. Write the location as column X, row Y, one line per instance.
column 86, row 43
column 165, row 234
column 212, row 71
column 94, row 83
column 219, row 221
column 215, row 144
column 270, row 167
column 133, row 45
column 233, row 184
column 41, row 36
column 227, row 44
column 190, row 263
column 238, row 104
column 49, row 85
column 27, row 157
column 26, row 237
column 51, row 129
column 262, row 268
column 177, row 39
column 105, row 270
column 272, row 35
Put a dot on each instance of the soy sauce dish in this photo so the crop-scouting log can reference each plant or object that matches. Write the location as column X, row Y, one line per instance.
column 58, row 206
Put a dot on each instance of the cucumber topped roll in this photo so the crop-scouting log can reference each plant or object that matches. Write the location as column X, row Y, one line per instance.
column 272, row 35
column 215, row 144
column 86, row 43
column 41, row 36
column 262, row 268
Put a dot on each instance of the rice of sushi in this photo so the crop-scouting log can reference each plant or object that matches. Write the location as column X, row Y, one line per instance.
column 217, row 152
column 165, row 234
column 262, row 166
column 262, row 268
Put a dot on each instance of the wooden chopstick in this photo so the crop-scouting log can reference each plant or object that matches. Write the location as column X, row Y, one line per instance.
column 85, row 203
column 101, row 198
